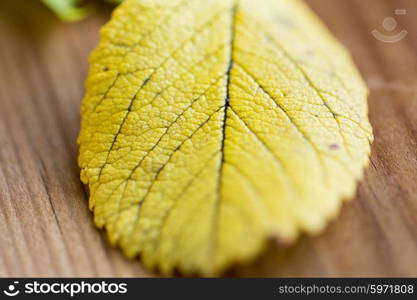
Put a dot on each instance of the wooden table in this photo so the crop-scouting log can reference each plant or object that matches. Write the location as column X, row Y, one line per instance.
column 46, row 228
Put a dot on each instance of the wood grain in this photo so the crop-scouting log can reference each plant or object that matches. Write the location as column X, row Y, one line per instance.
column 46, row 228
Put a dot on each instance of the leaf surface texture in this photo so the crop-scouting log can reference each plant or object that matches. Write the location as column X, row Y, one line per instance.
column 210, row 126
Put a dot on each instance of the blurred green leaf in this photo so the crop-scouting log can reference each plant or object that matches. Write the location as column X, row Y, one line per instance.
column 71, row 10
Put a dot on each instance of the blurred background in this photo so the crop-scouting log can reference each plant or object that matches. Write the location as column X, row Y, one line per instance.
column 46, row 228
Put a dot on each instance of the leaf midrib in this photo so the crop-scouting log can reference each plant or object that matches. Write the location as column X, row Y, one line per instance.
column 233, row 14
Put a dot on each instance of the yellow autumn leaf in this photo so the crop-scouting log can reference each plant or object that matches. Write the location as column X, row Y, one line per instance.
column 210, row 126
